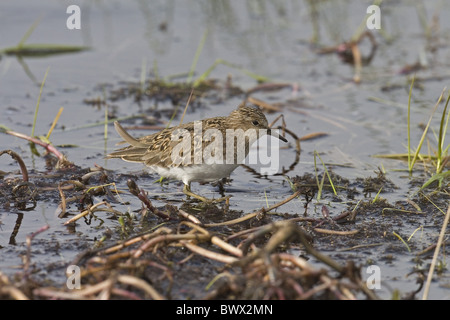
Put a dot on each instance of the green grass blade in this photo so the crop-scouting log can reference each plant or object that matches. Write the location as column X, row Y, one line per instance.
column 205, row 74
column 376, row 197
column 257, row 77
column 442, row 132
column 143, row 74
column 440, row 177
column 401, row 239
column 412, row 235
column 42, row 49
column 105, row 128
column 54, row 123
column 29, row 32
column 422, row 139
column 38, row 102
column 409, row 124
column 431, row 201
column 197, row 56
column 320, row 185
column 155, row 70
column 328, row 175
column 319, row 192
column 32, row 144
column 102, row 123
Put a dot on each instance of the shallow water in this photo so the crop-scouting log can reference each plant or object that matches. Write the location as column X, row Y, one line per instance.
column 268, row 38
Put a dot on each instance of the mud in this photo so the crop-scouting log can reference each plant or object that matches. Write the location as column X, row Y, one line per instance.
column 348, row 236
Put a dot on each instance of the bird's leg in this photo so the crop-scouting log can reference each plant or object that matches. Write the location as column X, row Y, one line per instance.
column 221, row 188
column 187, row 191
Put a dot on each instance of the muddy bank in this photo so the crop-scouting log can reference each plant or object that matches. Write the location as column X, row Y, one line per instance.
column 153, row 251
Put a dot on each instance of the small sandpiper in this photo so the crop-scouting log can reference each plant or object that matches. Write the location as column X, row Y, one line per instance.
column 200, row 151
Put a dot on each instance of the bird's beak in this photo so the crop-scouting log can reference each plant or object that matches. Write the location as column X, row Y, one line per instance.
column 276, row 135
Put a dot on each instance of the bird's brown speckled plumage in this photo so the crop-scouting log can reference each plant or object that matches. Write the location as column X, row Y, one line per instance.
column 155, row 150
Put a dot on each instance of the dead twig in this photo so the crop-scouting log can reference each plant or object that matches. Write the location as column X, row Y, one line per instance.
column 264, row 105
column 85, row 212
column 62, row 160
column 340, row 233
column 140, row 193
column 208, row 253
column 9, row 290
column 435, row 255
column 141, row 284
column 151, row 243
column 268, row 87
column 27, row 260
column 134, row 240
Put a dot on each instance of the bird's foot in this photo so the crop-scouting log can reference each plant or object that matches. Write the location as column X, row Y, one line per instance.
column 187, row 191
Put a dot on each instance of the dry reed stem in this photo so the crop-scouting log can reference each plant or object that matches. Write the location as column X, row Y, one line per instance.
column 339, row 233
column 13, row 292
column 55, row 294
column 188, row 216
column 435, row 255
column 214, row 239
column 268, row 87
column 103, row 290
column 264, row 105
column 311, row 136
column 357, row 62
column 140, row 284
column 164, row 238
column 209, row 254
column 49, row 147
column 297, row 261
column 226, row 246
column 63, row 205
column 85, row 213
column 7, row 289
column 254, row 214
column 27, row 259
column 137, row 239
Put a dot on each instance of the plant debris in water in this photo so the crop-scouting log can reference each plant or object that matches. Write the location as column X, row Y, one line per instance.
column 153, row 255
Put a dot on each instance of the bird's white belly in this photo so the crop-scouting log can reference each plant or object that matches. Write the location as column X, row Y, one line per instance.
column 198, row 173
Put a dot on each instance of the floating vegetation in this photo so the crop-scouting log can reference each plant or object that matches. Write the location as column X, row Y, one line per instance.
column 40, row 49
column 253, row 250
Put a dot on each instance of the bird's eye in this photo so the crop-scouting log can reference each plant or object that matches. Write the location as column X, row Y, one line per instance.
column 255, row 122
